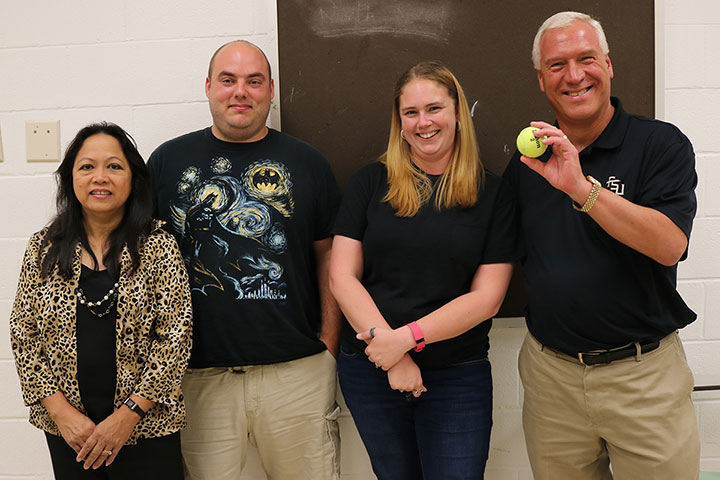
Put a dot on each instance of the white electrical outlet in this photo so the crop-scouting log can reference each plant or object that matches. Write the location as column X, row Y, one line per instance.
column 42, row 140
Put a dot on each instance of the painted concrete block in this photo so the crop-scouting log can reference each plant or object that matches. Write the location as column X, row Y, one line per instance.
column 703, row 357
column 10, row 394
column 5, row 350
column 23, row 451
column 507, row 443
column 683, row 70
column 695, row 112
column 168, row 19
column 710, row 429
column 711, row 177
column 505, row 344
column 28, row 203
column 11, row 255
column 712, row 311
column 155, row 124
column 35, row 25
column 703, row 261
column 694, row 12
column 694, row 295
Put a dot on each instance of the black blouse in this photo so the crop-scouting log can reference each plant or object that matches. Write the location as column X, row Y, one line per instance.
column 96, row 366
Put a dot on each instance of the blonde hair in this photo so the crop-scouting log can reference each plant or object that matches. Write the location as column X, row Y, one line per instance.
column 409, row 187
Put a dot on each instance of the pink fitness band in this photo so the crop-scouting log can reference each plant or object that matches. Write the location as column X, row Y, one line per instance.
column 417, row 335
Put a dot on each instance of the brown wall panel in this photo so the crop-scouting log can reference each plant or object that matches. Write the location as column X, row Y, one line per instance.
column 340, row 59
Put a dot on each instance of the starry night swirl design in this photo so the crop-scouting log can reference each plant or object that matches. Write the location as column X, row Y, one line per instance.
column 245, row 208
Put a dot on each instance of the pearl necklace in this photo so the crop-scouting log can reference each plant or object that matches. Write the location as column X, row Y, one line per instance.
column 112, row 294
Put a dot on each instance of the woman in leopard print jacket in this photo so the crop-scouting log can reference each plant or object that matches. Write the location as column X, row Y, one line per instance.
column 101, row 324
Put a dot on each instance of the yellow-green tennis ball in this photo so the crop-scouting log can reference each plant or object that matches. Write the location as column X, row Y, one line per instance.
column 530, row 145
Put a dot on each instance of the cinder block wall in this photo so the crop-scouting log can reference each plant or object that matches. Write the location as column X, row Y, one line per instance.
column 142, row 65
column 689, row 81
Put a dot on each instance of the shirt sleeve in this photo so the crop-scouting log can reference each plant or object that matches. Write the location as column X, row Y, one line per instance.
column 37, row 380
column 670, row 181
column 328, row 199
column 510, row 173
column 170, row 347
column 504, row 242
column 351, row 219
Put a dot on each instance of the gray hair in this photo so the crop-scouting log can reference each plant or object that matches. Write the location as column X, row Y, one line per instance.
column 562, row 20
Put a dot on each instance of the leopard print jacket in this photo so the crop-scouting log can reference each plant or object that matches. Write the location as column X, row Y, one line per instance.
column 152, row 331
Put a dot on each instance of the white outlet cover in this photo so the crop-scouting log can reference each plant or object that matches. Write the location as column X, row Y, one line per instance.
column 42, row 141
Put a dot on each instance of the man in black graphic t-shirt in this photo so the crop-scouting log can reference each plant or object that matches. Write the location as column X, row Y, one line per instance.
column 252, row 210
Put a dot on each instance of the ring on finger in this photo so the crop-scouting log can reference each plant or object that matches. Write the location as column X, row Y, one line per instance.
column 372, row 332
column 107, row 452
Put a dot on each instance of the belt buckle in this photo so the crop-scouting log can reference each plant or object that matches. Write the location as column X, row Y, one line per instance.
column 580, row 357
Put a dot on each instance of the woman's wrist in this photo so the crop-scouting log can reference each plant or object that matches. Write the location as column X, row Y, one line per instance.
column 405, row 358
column 58, row 406
column 406, row 337
column 126, row 416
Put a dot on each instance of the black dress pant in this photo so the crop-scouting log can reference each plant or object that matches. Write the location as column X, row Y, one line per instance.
column 151, row 459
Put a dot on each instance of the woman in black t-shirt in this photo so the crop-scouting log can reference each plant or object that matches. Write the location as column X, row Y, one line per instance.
column 101, row 323
column 422, row 255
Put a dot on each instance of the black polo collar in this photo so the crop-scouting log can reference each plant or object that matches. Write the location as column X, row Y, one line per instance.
column 614, row 133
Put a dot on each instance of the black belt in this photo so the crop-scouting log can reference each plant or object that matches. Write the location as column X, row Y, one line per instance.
column 606, row 356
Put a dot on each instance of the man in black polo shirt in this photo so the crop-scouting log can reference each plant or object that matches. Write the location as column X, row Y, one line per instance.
column 606, row 214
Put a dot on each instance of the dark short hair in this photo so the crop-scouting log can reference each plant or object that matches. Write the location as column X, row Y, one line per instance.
column 66, row 228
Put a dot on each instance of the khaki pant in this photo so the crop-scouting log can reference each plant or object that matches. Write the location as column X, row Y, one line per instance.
column 635, row 414
column 287, row 410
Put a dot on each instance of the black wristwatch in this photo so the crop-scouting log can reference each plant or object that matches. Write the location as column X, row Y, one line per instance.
column 134, row 407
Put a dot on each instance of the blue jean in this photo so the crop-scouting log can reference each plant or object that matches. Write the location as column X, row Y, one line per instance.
column 442, row 435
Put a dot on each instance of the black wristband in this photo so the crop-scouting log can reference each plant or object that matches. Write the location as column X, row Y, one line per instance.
column 134, row 407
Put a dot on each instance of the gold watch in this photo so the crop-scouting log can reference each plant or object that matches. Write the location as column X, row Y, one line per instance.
column 594, row 192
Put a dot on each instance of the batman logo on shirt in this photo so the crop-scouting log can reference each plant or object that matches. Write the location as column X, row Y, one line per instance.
column 266, row 180
column 270, row 182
